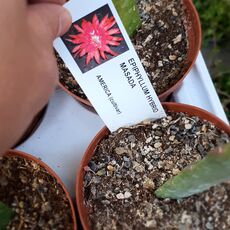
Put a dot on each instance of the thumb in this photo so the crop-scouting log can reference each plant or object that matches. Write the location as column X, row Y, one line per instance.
column 50, row 19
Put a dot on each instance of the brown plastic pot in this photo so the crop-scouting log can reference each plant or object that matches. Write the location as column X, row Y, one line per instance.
column 169, row 107
column 15, row 153
column 194, row 44
column 84, row 101
column 32, row 127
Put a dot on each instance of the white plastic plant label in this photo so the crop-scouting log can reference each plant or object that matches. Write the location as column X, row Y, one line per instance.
column 98, row 52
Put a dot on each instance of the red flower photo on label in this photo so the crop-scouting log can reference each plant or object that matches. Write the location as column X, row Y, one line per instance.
column 95, row 39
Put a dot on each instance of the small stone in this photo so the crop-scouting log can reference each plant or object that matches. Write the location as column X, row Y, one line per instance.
column 172, row 138
column 110, row 168
column 146, row 63
column 160, row 64
column 209, row 226
column 120, row 196
column 93, row 190
column 144, row 152
column 17, row 210
column 150, row 167
column 100, row 166
column 133, row 145
column 175, row 171
column 157, row 145
column 185, row 218
column 93, row 166
column 41, row 181
column 138, row 47
column 154, row 126
column 138, row 157
column 160, row 23
column 210, row 218
column 204, row 128
column 101, row 172
column 150, row 224
column 127, row 164
column 148, row 184
column 188, row 126
column 120, row 150
column 155, row 156
column 105, row 159
column 21, row 204
column 132, row 138
column 113, row 162
column 119, row 130
column 198, row 205
column 127, row 195
column 177, row 39
column 126, row 158
column 160, row 164
column 146, row 160
column 138, row 167
column 172, row 57
column 35, row 165
column 186, row 121
column 96, row 180
column 23, row 180
column 148, row 39
column 200, row 148
column 174, row 130
column 174, row 13
column 106, row 202
column 159, row 213
column 169, row 118
column 158, row 133
column 148, row 140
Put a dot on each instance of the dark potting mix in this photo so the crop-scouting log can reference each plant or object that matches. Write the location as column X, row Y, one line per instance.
column 131, row 163
column 35, row 197
column 161, row 43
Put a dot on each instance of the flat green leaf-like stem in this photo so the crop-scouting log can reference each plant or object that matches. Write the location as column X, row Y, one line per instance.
column 128, row 12
column 5, row 216
column 212, row 170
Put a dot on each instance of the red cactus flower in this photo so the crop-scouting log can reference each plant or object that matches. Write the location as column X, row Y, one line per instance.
column 94, row 38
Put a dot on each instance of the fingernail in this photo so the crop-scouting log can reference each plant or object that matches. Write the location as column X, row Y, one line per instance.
column 65, row 20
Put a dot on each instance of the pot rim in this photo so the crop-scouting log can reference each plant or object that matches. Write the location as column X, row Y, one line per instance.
column 34, row 125
column 16, row 153
column 170, row 107
column 84, row 101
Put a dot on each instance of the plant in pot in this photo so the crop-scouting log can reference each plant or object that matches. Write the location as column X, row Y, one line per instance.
column 167, row 41
column 198, row 177
column 121, row 171
column 32, row 196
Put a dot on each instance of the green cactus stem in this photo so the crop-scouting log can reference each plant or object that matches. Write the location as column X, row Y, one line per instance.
column 128, row 12
column 200, row 176
column 5, row 216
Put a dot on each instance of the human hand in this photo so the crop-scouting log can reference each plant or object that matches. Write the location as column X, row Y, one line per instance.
column 28, row 69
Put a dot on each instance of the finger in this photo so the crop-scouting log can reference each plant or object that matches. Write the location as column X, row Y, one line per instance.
column 60, row 2
column 52, row 20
